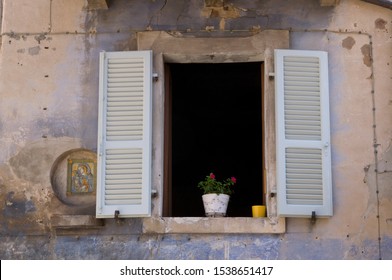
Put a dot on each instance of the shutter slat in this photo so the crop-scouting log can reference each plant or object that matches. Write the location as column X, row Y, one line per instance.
column 125, row 114
column 115, row 177
column 126, row 78
column 121, row 127
column 120, row 101
column 136, row 89
column 123, row 160
column 117, row 110
column 128, row 184
column 127, row 85
column 115, row 64
column 125, row 60
column 117, row 202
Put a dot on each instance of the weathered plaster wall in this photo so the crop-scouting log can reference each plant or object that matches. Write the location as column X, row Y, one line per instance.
column 49, row 88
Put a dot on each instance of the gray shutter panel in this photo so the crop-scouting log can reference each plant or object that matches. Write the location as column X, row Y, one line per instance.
column 304, row 183
column 124, row 135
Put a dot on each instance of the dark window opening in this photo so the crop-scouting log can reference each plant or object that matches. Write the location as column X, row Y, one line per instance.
column 213, row 123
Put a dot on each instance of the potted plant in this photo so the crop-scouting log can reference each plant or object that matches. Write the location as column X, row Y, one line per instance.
column 216, row 195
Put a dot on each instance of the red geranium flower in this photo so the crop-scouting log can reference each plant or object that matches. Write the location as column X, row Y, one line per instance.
column 211, row 185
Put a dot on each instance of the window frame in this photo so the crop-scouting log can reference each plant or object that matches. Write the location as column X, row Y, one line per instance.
column 167, row 48
column 263, row 47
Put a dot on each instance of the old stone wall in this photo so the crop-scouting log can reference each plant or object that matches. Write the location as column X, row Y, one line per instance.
column 49, row 109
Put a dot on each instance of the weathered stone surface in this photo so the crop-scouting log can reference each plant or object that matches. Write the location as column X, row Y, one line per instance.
column 49, row 96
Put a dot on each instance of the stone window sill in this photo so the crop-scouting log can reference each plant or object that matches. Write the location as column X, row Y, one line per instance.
column 213, row 225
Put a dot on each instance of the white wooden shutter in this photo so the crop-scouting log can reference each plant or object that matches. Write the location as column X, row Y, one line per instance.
column 304, row 182
column 124, row 132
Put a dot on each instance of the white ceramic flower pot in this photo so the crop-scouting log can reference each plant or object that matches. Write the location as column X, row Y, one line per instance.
column 215, row 205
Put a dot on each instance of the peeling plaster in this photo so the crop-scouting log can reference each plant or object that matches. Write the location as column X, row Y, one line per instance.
column 227, row 11
column 40, row 37
column 380, row 23
column 16, row 205
column 384, row 171
column 116, row 28
column 348, row 43
column 15, row 36
column 33, row 163
column 366, row 52
column 34, row 50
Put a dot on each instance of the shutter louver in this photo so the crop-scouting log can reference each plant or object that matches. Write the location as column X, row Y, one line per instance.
column 123, row 177
column 125, row 99
column 302, row 98
column 304, row 176
column 302, row 125
column 124, row 134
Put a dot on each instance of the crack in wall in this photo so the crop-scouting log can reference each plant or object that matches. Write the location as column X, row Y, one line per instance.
column 156, row 14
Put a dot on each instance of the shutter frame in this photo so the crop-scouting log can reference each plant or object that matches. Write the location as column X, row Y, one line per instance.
column 124, row 134
column 303, row 150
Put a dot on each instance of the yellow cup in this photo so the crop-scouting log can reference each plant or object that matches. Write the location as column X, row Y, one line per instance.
column 258, row 211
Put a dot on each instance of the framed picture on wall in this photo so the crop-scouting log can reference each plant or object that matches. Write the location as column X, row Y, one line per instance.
column 82, row 176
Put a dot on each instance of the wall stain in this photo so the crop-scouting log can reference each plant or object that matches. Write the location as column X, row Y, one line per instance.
column 34, row 50
column 348, row 43
column 32, row 164
column 380, row 23
column 15, row 36
column 366, row 51
column 17, row 205
column 40, row 38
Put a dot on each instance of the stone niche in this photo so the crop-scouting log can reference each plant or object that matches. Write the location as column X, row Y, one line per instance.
column 73, row 178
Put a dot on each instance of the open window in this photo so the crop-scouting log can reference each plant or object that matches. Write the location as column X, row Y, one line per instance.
column 213, row 124
column 289, row 158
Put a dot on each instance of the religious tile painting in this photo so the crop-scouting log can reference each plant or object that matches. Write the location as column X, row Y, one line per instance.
column 81, row 176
